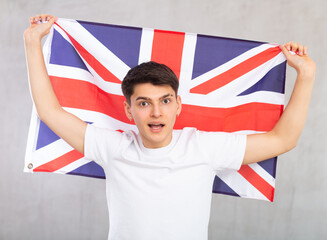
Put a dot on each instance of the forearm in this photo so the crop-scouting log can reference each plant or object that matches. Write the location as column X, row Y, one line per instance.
column 64, row 124
column 285, row 134
column 41, row 89
column 291, row 123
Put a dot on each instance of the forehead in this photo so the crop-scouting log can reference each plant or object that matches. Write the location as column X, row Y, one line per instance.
column 151, row 91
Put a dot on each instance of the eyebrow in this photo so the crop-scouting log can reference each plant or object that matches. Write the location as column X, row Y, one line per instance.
column 142, row 98
column 167, row 95
column 146, row 98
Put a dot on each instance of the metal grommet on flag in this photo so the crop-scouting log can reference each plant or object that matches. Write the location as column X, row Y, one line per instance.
column 30, row 166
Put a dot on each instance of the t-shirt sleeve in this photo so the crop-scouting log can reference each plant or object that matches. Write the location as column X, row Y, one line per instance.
column 224, row 150
column 100, row 144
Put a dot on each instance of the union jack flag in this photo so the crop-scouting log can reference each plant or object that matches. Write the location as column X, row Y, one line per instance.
column 226, row 85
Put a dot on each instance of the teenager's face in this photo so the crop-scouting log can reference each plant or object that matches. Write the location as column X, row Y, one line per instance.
column 154, row 110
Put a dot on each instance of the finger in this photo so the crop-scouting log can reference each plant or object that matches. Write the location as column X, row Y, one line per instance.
column 43, row 18
column 305, row 50
column 288, row 46
column 51, row 17
column 294, row 47
column 37, row 18
column 52, row 20
column 46, row 17
column 300, row 49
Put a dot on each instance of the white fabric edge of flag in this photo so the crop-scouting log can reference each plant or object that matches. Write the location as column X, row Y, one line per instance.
column 31, row 139
column 35, row 121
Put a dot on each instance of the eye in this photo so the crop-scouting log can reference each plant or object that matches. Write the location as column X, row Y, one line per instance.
column 143, row 104
column 166, row 101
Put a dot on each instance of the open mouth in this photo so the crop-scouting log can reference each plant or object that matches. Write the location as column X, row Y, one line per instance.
column 156, row 126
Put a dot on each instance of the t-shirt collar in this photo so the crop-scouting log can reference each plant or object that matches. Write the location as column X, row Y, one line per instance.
column 156, row 151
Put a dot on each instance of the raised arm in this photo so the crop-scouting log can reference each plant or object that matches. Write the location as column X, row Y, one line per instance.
column 65, row 125
column 284, row 136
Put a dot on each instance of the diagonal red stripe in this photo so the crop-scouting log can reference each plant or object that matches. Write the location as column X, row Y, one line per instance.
column 167, row 48
column 252, row 116
column 236, row 72
column 59, row 162
column 103, row 72
column 259, row 183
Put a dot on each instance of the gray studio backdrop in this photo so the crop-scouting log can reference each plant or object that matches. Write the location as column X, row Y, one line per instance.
column 50, row 206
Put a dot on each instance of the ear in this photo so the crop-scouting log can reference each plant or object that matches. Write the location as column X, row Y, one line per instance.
column 128, row 111
column 179, row 105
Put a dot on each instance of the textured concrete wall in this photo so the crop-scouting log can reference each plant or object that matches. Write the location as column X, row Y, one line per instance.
column 50, row 206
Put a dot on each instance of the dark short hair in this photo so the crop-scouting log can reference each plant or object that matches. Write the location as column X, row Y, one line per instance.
column 148, row 72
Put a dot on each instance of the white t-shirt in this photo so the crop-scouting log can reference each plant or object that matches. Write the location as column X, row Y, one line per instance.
column 162, row 193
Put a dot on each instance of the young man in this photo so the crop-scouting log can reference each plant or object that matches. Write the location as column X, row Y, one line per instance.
column 160, row 180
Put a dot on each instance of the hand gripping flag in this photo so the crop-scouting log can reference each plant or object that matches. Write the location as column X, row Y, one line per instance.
column 226, row 85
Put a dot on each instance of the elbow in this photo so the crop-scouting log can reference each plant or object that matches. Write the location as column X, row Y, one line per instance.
column 41, row 111
column 46, row 114
column 286, row 142
column 290, row 145
column 294, row 144
column 42, row 115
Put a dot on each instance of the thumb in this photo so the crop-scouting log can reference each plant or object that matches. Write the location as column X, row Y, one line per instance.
column 52, row 20
column 45, row 27
column 285, row 51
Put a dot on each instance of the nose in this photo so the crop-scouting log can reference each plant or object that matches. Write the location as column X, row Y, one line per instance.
column 156, row 111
